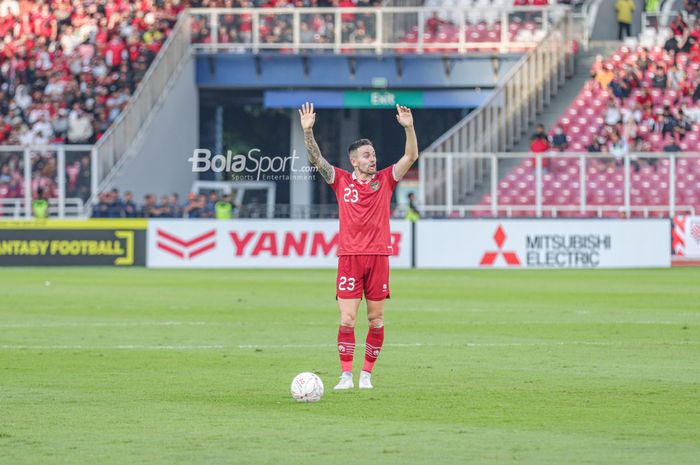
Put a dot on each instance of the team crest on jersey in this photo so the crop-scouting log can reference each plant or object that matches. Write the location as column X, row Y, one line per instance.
column 374, row 185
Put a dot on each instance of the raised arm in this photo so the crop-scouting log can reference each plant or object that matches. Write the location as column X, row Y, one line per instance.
column 308, row 118
column 405, row 119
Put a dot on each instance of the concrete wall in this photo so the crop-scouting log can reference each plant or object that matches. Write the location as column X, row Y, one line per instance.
column 161, row 165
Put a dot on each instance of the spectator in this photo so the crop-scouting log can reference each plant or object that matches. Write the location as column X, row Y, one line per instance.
column 100, row 210
column 693, row 113
column 539, row 143
column 669, row 122
column 644, row 99
column 659, row 80
column 5, row 174
column 682, row 126
column 618, row 148
column 612, row 114
column 643, row 61
column 210, row 205
column 632, row 112
column 604, row 76
column 194, row 207
column 129, row 207
column 224, row 208
column 150, row 209
column 559, row 140
column 175, row 206
column 80, row 129
column 620, row 88
column 625, row 9
column 114, row 205
column 678, row 26
column 165, row 209
column 671, row 145
column 596, row 145
column 675, row 77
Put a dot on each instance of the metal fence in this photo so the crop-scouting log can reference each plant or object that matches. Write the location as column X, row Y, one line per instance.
column 372, row 30
column 63, row 172
column 565, row 184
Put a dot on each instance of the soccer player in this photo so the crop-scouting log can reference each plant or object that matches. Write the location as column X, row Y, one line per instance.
column 364, row 244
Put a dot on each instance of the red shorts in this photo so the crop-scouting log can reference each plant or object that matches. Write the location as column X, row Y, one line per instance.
column 358, row 274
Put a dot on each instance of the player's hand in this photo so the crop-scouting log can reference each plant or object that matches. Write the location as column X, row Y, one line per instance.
column 404, row 116
column 307, row 116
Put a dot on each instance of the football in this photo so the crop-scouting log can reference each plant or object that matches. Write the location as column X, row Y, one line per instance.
column 307, row 387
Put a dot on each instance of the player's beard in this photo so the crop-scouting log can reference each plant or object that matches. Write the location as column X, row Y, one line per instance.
column 369, row 170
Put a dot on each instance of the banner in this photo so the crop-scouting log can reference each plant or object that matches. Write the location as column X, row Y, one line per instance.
column 257, row 244
column 685, row 237
column 543, row 243
column 89, row 242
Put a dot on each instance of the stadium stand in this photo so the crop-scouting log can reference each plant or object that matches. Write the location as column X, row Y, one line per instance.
column 638, row 100
column 68, row 68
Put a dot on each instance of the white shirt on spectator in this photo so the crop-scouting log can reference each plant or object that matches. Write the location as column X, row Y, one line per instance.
column 9, row 7
column 79, row 129
column 612, row 116
column 22, row 97
column 619, row 149
column 54, row 88
column 693, row 113
column 42, row 132
column 628, row 113
column 69, row 42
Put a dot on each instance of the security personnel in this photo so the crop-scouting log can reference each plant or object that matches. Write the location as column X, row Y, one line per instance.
column 412, row 213
column 40, row 206
column 223, row 209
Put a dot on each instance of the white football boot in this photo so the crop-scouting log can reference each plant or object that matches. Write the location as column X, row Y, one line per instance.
column 366, row 380
column 345, row 382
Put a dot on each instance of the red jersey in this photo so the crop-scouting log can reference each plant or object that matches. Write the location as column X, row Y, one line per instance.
column 364, row 212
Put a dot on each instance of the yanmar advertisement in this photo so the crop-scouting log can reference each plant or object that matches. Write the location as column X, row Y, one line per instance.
column 543, row 244
column 257, row 243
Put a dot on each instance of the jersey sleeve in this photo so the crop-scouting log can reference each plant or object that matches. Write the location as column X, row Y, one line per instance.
column 337, row 175
column 388, row 174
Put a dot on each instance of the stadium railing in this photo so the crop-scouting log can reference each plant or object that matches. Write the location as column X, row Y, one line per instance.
column 580, row 173
column 500, row 122
column 386, row 29
column 55, row 182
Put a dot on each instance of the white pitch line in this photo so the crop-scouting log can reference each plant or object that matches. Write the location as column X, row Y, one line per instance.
column 101, row 325
column 315, row 346
column 117, row 347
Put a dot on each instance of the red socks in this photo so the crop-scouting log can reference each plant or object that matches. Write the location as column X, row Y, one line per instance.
column 375, row 339
column 346, row 347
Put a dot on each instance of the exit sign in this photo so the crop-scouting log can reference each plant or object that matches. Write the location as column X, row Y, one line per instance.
column 382, row 98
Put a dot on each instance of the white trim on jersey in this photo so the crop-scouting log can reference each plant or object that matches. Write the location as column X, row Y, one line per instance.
column 393, row 173
column 354, row 178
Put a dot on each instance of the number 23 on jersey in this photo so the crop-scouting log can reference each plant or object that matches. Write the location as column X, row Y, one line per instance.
column 350, row 195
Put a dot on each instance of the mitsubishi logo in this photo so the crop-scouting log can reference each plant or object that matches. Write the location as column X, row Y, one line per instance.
column 490, row 257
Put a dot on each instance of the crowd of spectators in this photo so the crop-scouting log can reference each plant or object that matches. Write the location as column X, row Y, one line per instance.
column 651, row 102
column 112, row 205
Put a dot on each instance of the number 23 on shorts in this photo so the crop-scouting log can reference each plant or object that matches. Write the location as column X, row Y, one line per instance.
column 346, row 284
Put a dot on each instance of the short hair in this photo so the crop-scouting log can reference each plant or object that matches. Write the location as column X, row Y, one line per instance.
column 359, row 143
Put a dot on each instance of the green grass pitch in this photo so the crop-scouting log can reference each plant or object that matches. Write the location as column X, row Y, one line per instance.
column 136, row 366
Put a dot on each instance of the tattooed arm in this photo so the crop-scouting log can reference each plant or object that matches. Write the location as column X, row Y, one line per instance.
column 308, row 118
